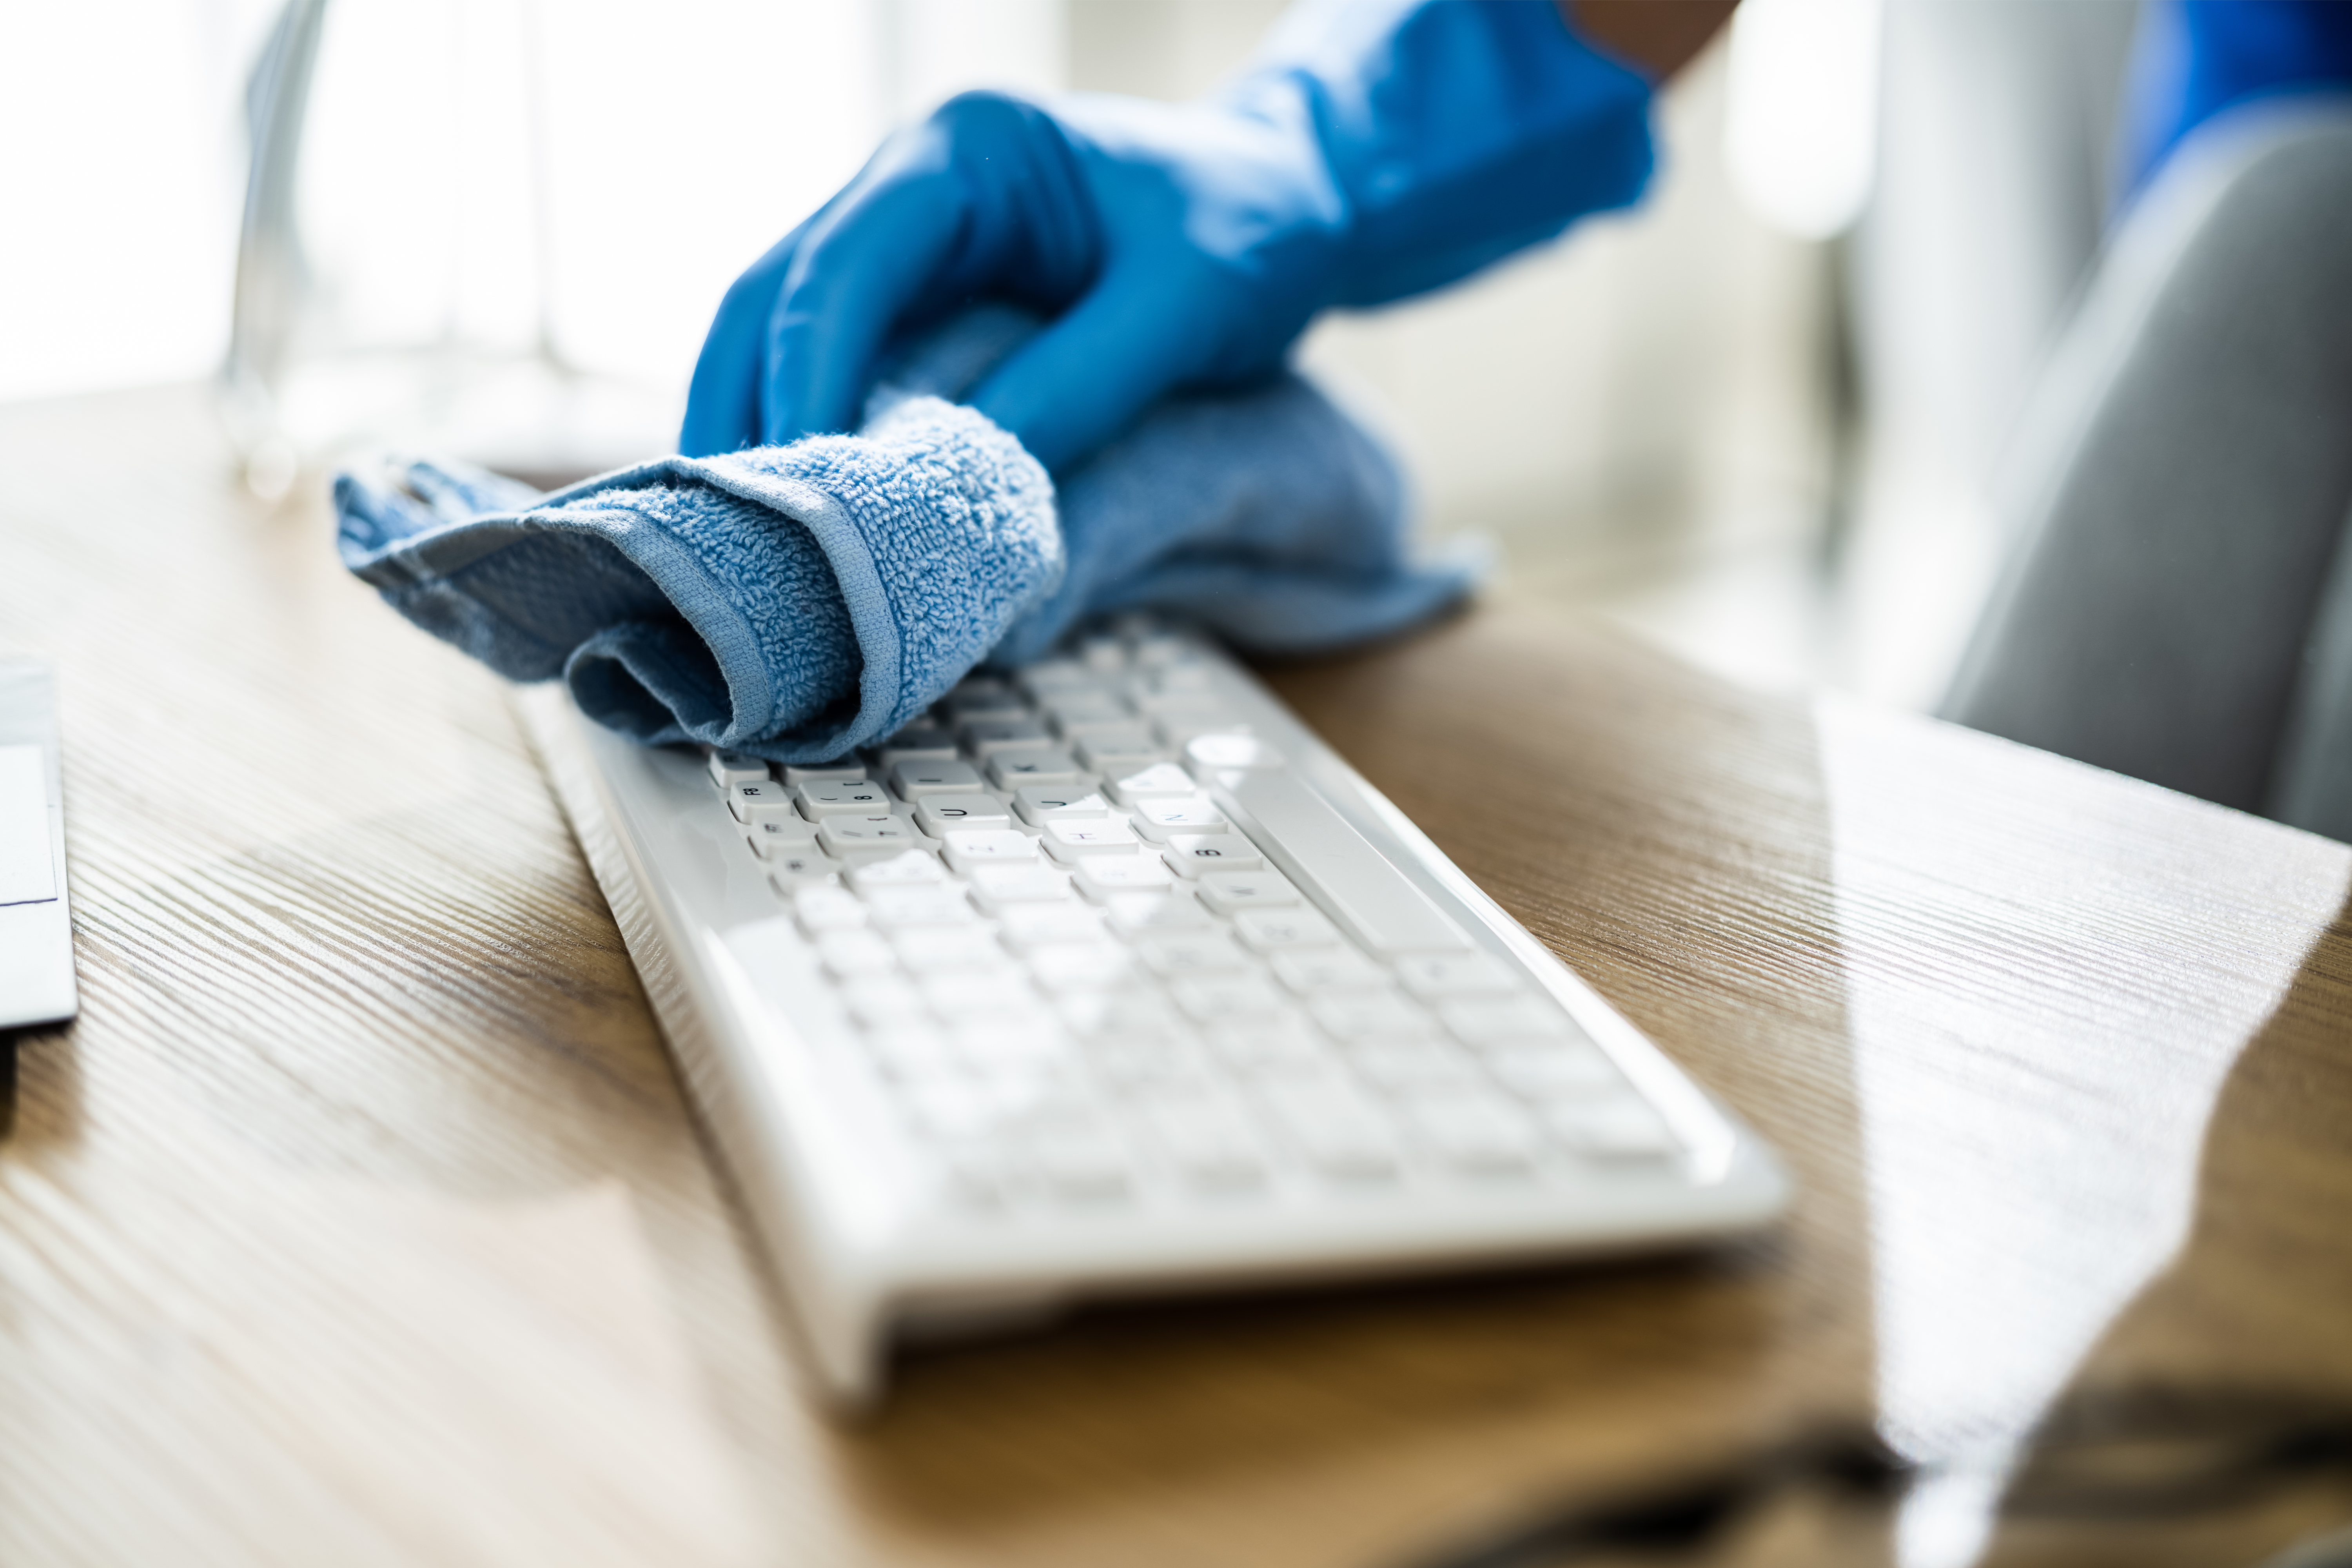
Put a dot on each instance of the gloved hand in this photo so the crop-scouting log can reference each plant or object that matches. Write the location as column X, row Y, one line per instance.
column 1369, row 152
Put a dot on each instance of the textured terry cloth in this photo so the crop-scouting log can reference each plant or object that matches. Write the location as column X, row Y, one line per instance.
column 797, row 601
column 1267, row 516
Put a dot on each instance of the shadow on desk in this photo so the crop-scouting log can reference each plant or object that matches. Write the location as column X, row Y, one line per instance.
column 40, row 1090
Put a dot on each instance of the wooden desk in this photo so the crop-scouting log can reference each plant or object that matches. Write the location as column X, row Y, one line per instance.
column 358, row 1221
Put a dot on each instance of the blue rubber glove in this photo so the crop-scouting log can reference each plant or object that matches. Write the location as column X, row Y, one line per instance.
column 1371, row 151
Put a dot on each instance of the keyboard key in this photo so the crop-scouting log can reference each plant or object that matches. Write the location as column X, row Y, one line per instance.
column 1041, row 803
column 822, row 799
column 985, row 737
column 1335, row 1132
column 1102, row 877
column 1136, row 915
column 1135, row 1014
column 980, row 696
column 856, row 954
column 1435, row 976
column 1160, row 779
column 1122, row 749
column 940, row 815
column 916, row 743
column 969, row 848
column 1271, row 930
column 1483, row 1022
column 1049, row 677
column 1311, row 970
column 1225, row 998
column 962, row 994
column 1274, row 1044
column 1158, row 1064
column 1082, row 1164
column 1408, row 1067
column 1031, row 926
column 1160, row 819
column 1179, row 728
column 1620, row 1127
column 841, row 770
column 1229, row 892
column 1197, row 854
column 1012, row 769
column 760, row 800
column 1182, row 670
column 897, row 908
column 1093, row 966
column 1560, row 1069
column 1083, row 709
column 1161, row 650
column 1205, row 1142
column 729, row 769
column 910, row 1052
column 1024, row 1052
column 791, row 870
column 1369, row 1015
column 1153, row 699
column 996, row 887
column 930, row 949
column 954, row 1109
column 822, row 907
column 783, row 836
column 863, row 838
column 880, row 1003
column 908, row 868
column 1082, row 838
column 1210, row 950
column 1102, row 655
column 914, row 780
column 1214, row 753
column 1476, row 1134
column 973, row 1177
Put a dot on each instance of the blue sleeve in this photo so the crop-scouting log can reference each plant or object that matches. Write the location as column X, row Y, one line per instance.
column 2197, row 57
column 1457, row 131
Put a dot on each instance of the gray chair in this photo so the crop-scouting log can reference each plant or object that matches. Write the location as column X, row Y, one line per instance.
column 2178, row 602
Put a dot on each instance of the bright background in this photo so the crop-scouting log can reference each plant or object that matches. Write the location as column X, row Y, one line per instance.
column 1761, row 420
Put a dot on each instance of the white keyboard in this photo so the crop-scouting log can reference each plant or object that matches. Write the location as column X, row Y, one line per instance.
column 1112, row 978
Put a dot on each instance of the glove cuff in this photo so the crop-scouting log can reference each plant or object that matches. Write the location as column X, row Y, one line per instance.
column 1456, row 132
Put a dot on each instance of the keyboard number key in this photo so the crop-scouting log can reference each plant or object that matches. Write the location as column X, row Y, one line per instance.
column 823, row 798
column 1197, row 854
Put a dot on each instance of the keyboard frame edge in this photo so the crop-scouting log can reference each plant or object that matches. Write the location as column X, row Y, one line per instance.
column 844, row 1302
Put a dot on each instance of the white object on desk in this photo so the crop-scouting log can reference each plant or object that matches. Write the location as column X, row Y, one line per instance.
column 37, row 970
column 995, row 1080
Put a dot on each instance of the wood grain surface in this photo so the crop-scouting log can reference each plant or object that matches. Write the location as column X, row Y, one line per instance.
column 359, row 1219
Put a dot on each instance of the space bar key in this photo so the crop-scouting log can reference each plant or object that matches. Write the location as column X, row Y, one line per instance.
column 1353, row 881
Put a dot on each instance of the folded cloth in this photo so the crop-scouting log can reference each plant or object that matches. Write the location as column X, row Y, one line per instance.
column 798, row 601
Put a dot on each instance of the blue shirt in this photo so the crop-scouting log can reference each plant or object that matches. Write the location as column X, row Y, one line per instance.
column 2196, row 58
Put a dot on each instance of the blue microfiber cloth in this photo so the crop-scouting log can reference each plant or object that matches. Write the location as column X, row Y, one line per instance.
column 798, row 601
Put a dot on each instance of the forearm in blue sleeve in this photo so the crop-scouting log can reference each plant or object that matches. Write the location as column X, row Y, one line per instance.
column 1456, row 131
